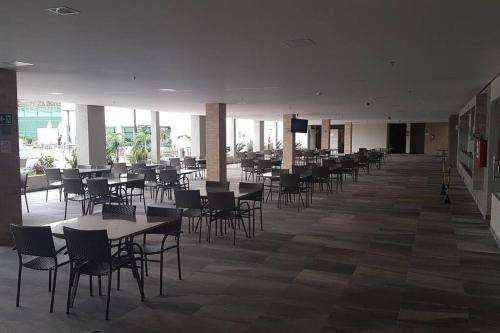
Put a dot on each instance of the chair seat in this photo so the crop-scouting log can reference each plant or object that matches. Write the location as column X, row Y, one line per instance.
column 226, row 214
column 78, row 197
column 101, row 268
column 192, row 212
column 46, row 263
column 154, row 248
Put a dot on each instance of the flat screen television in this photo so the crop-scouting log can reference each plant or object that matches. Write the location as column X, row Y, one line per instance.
column 299, row 125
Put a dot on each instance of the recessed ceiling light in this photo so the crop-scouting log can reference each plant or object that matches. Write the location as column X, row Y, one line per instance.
column 168, row 90
column 56, row 93
column 302, row 42
column 63, row 11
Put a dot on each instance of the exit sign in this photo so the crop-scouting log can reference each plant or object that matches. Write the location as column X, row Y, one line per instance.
column 5, row 119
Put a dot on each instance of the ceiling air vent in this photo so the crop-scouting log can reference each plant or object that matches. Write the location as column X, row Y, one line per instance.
column 63, row 11
column 303, row 42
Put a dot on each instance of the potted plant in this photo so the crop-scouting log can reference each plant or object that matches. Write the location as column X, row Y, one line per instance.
column 72, row 160
column 113, row 144
column 36, row 175
column 140, row 147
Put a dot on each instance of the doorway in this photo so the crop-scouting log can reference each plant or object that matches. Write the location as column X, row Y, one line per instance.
column 397, row 138
column 417, row 138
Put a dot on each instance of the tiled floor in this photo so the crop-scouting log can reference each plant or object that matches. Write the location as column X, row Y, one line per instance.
column 385, row 255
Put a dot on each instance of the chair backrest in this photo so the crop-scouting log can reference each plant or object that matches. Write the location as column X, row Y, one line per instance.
column 173, row 227
column 33, row 240
column 23, row 178
column 277, row 172
column 300, row 169
column 168, row 176
column 135, row 180
column 98, row 186
column 290, row 180
column 189, row 162
column 87, row 246
column 149, row 175
column 111, row 175
column 221, row 201
column 136, row 167
column 247, row 163
column 124, row 210
column 73, row 186
column 53, row 174
column 251, row 155
column 119, row 168
column 187, row 199
column 320, row 172
column 175, row 161
column 71, row 173
column 256, row 188
column 347, row 163
column 212, row 185
column 264, row 164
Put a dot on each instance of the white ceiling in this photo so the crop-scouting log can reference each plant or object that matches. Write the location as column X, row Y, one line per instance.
column 232, row 51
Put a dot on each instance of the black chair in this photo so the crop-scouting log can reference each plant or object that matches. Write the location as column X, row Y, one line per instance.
column 320, row 176
column 136, row 182
column 99, row 193
column 90, row 254
column 74, row 186
column 173, row 228
column 150, row 180
column 190, row 163
column 272, row 184
column 190, row 201
column 24, row 185
column 119, row 168
column 222, row 207
column 348, row 168
column 54, row 180
column 290, row 185
column 254, row 200
column 169, row 180
column 263, row 166
column 36, row 250
column 71, row 173
column 247, row 169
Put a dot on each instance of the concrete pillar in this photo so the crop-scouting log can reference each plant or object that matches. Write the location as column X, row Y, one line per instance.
column 348, row 138
column 216, row 141
column 10, row 196
column 288, row 143
column 198, row 136
column 231, row 131
column 90, row 134
column 325, row 134
column 155, row 137
column 258, row 135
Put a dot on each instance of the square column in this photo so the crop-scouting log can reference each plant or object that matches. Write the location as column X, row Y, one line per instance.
column 325, row 134
column 288, row 143
column 10, row 195
column 198, row 136
column 216, row 141
column 258, row 135
column 231, row 136
column 90, row 134
column 155, row 137
column 348, row 138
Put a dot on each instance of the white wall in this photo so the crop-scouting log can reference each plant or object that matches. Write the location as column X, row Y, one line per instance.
column 369, row 135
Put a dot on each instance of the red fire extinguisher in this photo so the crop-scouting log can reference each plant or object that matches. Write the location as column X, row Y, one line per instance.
column 480, row 154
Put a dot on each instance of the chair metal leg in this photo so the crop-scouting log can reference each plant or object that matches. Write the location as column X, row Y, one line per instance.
column 161, row 272
column 50, row 280
column 91, row 289
column 26, row 201
column 70, row 285
column 65, row 207
column 53, row 291
column 19, row 284
column 109, row 294
column 118, row 279
column 75, row 288
column 99, row 285
column 179, row 258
